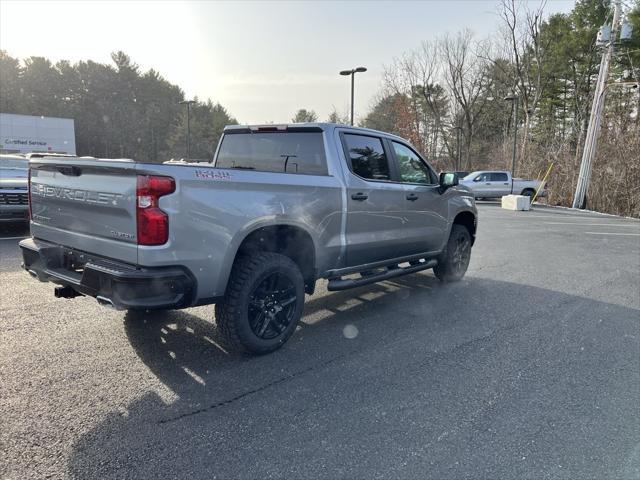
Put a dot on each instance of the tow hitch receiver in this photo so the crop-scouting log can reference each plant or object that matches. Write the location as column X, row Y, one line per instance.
column 65, row 292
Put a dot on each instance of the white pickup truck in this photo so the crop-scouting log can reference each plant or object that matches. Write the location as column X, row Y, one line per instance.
column 493, row 184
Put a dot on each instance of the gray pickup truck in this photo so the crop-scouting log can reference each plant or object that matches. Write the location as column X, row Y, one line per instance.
column 277, row 209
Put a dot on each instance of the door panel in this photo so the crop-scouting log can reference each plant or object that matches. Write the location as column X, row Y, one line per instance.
column 500, row 184
column 482, row 185
column 375, row 221
column 426, row 213
column 375, row 204
column 426, row 224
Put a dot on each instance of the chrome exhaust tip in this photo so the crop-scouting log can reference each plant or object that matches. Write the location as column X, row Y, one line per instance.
column 105, row 302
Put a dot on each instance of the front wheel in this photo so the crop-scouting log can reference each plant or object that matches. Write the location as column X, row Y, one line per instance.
column 454, row 261
column 263, row 303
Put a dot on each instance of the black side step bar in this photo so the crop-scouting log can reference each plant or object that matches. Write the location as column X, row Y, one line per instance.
column 392, row 271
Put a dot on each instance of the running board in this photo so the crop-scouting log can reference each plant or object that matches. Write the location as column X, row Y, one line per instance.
column 392, row 271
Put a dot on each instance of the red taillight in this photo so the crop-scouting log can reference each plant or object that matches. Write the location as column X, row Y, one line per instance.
column 153, row 223
column 29, row 194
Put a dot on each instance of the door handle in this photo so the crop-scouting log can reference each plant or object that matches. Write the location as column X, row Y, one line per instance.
column 487, row 183
column 412, row 197
column 359, row 196
column 505, row 184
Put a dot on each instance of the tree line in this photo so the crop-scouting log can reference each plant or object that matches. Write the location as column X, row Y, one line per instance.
column 119, row 110
column 446, row 96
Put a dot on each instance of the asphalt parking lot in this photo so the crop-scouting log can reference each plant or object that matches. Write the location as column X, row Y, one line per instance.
column 529, row 368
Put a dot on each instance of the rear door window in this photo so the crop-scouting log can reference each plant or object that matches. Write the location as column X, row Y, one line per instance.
column 367, row 156
column 499, row 177
column 279, row 152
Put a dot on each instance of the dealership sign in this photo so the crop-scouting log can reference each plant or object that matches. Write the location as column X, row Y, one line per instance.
column 27, row 133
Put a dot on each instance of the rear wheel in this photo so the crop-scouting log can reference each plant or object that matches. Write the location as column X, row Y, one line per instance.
column 454, row 261
column 263, row 303
column 529, row 193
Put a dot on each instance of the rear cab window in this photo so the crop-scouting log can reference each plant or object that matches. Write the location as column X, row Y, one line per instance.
column 367, row 157
column 277, row 152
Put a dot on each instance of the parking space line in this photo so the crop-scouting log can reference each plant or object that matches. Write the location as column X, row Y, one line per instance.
column 614, row 233
column 526, row 215
column 595, row 224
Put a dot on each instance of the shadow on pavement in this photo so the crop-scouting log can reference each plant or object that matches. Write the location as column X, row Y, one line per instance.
column 464, row 380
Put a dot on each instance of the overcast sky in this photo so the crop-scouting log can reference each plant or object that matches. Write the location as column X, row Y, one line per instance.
column 261, row 60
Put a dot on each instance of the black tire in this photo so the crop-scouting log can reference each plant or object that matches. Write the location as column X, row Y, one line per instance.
column 529, row 193
column 454, row 261
column 263, row 303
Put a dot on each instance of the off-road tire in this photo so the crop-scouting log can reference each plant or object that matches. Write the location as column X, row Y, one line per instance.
column 448, row 268
column 232, row 313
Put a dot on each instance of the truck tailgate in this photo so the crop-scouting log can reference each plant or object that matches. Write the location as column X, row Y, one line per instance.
column 86, row 204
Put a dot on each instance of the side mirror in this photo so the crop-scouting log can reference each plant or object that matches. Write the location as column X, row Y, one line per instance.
column 448, row 180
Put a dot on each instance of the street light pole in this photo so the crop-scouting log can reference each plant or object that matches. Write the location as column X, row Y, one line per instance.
column 188, row 103
column 352, row 72
column 514, row 99
column 353, row 76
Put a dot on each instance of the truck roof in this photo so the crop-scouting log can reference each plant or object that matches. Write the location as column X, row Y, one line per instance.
column 310, row 126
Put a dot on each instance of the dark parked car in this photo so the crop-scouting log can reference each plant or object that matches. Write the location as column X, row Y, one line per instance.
column 14, row 196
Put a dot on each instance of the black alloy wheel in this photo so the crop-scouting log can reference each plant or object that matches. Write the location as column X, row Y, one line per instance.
column 272, row 306
column 263, row 303
column 461, row 255
column 454, row 261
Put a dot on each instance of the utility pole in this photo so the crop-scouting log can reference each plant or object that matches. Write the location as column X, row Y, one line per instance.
column 515, row 99
column 593, row 130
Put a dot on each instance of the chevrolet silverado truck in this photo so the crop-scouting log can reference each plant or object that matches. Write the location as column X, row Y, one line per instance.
column 276, row 209
column 14, row 204
column 493, row 184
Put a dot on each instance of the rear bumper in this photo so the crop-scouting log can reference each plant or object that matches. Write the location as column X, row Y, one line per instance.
column 120, row 285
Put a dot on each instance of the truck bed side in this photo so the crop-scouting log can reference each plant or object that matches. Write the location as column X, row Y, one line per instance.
column 213, row 210
column 89, row 205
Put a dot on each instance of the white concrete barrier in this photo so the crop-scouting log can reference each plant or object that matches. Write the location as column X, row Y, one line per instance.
column 515, row 202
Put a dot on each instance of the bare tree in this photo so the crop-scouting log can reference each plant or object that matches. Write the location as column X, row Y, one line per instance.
column 526, row 48
column 416, row 76
column 465, row 74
